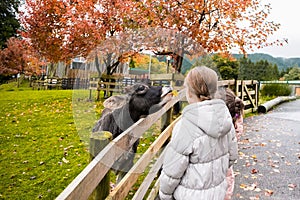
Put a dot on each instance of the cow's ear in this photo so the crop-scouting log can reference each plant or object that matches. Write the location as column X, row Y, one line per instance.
column 142, row 89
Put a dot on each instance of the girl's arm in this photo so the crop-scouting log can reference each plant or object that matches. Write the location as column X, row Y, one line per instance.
column 233, row 146
column 174, row 166
column 239, row 127
column 176, row 161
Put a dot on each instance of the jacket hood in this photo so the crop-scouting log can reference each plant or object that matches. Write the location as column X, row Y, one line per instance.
column 211, row 116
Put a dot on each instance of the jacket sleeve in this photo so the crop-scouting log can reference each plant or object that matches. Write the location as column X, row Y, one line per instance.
column 176, row 160
column 233, row 146
column 239, row 127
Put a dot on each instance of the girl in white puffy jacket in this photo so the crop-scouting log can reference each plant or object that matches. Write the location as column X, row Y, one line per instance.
column 203, row 144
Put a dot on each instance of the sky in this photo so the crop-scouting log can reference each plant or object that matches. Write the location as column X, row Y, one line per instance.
column 287, row 14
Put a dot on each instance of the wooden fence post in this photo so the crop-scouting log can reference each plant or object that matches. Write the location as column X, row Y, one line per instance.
column 242, row 90
column 98, row 90
column 236, row 87
column 90, row 96
column 256, row 93
column 166, row 120
column 98, row 141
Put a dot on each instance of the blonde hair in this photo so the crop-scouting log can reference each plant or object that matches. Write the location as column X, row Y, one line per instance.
column 202, row 81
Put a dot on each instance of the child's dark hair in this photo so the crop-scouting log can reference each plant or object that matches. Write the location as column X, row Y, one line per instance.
column 234, row 104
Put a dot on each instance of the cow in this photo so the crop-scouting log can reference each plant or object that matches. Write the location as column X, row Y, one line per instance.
column 123, row 111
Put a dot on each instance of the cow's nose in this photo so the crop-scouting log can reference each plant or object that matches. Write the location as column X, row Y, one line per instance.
column 166, row 89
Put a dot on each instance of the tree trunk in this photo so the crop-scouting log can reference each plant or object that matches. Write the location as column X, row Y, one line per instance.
column 178, row 59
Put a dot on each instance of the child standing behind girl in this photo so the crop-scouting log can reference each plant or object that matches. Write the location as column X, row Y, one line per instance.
column 236, row 108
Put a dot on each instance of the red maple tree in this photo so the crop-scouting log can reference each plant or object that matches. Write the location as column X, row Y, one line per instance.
column 63, row 29
column 18, row 57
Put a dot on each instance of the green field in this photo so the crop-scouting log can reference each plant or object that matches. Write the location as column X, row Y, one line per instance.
column 44, row 137
column 42, row 147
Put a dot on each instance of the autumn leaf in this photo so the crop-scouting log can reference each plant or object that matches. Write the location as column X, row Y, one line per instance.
column 175, row 93
column 254, row 198
column 292, row 186
column 251, row 187
column 268, row 192
column 257, row 190
column 288, row 163
column 248, row 164
column 243, row 186
column 65, row 160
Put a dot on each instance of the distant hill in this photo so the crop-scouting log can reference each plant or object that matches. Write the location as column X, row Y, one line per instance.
column 282, row 63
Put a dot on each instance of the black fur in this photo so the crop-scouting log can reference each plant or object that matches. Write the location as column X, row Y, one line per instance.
column 140, row 101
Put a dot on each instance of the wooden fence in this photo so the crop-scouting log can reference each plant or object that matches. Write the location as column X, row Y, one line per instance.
column 113, row 84
column 60, row 83
column 247, row 90
column 94, row 176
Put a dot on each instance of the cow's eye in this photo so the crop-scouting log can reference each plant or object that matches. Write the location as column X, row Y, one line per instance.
column 141, row 88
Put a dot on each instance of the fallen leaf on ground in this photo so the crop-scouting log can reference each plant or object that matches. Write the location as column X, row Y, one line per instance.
column 275, row 166
column 65, row 160
column 278, row 144
column 268, row 192
column 257, row 190
column 263, row 144
column 254, row 198
column 252, row 186
column 292, row 186
column 288, row 163
column 243, row 185
column 248, row 187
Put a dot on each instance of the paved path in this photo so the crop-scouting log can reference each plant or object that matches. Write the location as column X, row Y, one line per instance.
column 269, row 155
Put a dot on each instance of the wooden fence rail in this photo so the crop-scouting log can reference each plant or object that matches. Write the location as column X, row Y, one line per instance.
column 247, row 90
column 84, row 184
column 88, row 180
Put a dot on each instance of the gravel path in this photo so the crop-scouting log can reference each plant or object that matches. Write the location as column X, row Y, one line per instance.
column 269, row 155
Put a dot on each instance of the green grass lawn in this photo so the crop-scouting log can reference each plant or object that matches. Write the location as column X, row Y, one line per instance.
column 44, row 137
column 42, row 147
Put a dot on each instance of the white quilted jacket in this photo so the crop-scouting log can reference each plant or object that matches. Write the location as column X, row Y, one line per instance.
column 202, row 148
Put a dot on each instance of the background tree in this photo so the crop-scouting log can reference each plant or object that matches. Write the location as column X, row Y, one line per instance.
column 215, row 25
column 206, row 61
column 260, row 70
column 8, row 20
column 142, row 61
column 64, row 29
column 266, row 71
column 228, row 67
column 18, row 57
column 57, row 29
column 293, row 74
column 246, row 66
column 285, row 71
